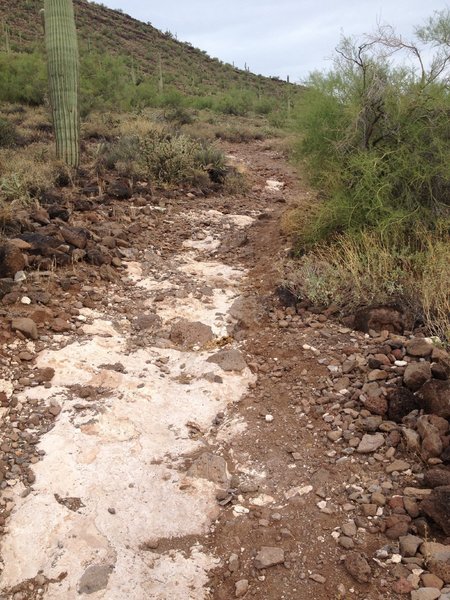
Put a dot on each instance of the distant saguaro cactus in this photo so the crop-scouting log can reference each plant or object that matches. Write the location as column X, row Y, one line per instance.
column 63, row 75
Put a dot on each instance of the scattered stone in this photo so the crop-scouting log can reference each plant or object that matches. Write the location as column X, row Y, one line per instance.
column 26, row 326
column 188, row 334
column 419, row 347
column 425, row 594
column 397, row 465
column 401, row 402
column 95, row 578
column 370, row 443
column 269, row 557
column 435, row 397
column 229, row 360
column 358, row 567
column 241, row 588
column 211, row 467
column 416, row 374
column 437, row 477
column 11, row 260
column 409, row 544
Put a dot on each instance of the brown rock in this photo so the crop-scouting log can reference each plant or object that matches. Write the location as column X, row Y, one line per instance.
column 26, row 326
column 437, row 507
column 402, row 586
column 377, row 405
column 229, row 360
column 358, row 567
column 382, row 318
column 11, row 260
column 440, row 568
column 416, row 374
column 211, row 467
column 147, row 321
column 432, row 446
column 419, row 348
column 401, row 402
column 190, row 333
column 437, row 477
column 269, row 557
column 75, row 236
column 60, row 325
column 432, row 581
column 435, row 397
column 43, row 375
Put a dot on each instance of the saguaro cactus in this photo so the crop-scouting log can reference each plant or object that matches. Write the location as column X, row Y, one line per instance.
column 63, row 75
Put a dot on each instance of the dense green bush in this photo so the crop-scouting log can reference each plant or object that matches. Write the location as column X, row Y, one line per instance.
column 375, row 135
column 174, row 158
column 23, row 78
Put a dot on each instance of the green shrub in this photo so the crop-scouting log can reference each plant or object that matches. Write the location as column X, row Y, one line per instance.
column 23, row 78
column 174, row 158
column 374, row 136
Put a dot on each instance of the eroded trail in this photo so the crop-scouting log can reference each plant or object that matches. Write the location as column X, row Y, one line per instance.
column 183, row 433
column 139, row 389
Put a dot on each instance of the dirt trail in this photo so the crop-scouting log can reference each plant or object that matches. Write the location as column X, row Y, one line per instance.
column 194, row 423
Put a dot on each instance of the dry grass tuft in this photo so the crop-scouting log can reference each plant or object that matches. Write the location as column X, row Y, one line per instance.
column 366, row 269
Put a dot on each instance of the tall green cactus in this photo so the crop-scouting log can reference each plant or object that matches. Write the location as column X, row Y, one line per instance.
column 63, row 75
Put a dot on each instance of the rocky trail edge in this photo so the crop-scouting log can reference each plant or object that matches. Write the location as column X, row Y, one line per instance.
column 172, row 427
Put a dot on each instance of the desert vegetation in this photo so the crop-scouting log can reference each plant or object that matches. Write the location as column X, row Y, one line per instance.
column 374, row 137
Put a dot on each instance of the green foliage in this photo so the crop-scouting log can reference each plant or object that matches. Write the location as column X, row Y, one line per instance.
column 176, row 158
column 23, row 78
column 236, row 103
column 375, row 137
column 106, row 83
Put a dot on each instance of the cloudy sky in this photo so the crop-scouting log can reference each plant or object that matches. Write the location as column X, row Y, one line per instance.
column 276, row 37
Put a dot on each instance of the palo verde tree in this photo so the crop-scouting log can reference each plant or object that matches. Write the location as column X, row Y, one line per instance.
column 63, row 75
column 377, row 129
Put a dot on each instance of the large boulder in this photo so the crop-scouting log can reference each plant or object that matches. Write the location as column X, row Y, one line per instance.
column 401, row 402
column 416, row 375
column 11, row 260
column 437, row 507
column 435, row 398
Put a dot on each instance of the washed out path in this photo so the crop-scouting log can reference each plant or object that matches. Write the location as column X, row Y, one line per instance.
column 210, row 440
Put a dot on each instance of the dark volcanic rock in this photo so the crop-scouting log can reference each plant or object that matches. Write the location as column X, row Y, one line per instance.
column 401, row 402
column 437, row 507
column 380, row 318
column 436, row 477
column 6, row 286
column 11, row 260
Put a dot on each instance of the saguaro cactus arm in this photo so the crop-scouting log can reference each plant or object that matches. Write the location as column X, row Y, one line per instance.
column 63, row 75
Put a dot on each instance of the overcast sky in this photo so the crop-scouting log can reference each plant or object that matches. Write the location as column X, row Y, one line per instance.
column 276, row 37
